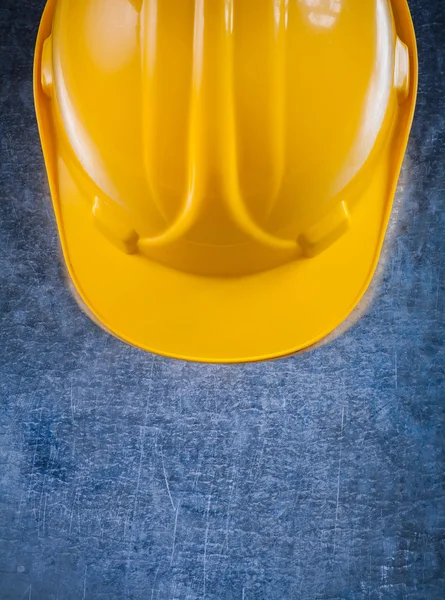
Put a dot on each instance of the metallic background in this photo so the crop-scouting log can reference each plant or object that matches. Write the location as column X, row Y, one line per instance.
column 125, row 475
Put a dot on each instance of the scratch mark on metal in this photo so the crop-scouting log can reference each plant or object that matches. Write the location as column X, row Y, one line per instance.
column 229, row 506
column 154, row 583
column 205, row 544
column 395, row 370
column 438, row 289
column 72, row 511
column 44, row 516
column 141, row 458
column 72, row 401
column 42, row 491
column 143, row 430
column 85, row 584
column 256, row 463
column 370, row 575
column 166, row 480
column 35, row 453
column 174, row 533
column 197, row 474
column 339, row 476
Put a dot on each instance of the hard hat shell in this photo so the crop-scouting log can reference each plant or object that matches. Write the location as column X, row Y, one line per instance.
column 222, row 172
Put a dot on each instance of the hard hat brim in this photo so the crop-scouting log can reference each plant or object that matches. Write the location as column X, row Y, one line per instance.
column 222, row 319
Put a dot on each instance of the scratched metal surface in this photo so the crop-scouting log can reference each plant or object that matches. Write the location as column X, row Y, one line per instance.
column 125, row 475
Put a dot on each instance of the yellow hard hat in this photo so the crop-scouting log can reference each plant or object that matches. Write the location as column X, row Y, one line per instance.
column 222, row 171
